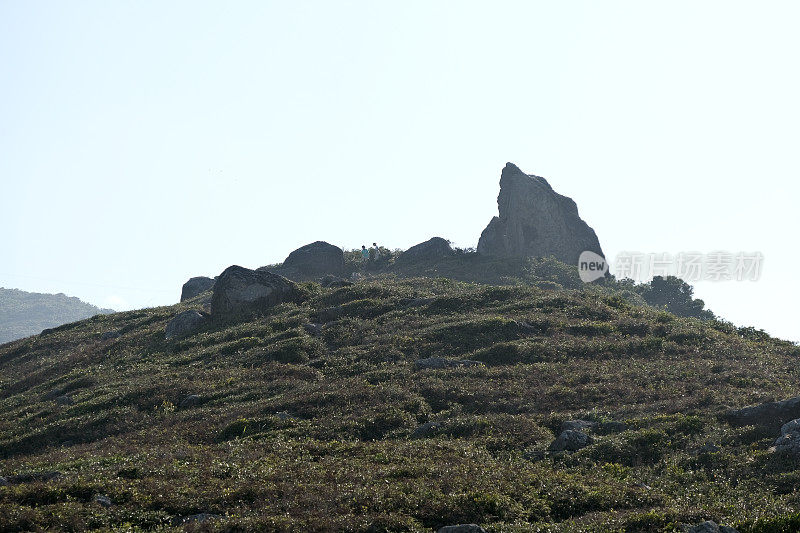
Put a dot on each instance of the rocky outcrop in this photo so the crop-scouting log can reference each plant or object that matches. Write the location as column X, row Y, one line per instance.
column 240, row 292
column 770, row 415
column 196, row 286
column 432, row 249
column 185, row 323
column 535, row 221
column 316, row 259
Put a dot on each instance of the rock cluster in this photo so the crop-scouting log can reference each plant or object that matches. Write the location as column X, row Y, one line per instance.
column 535, row 221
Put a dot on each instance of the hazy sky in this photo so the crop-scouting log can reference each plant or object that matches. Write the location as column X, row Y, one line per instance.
column 142, row 143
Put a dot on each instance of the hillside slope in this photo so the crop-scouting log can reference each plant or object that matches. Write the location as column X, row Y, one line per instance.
column 322, row 416
column 28, row 313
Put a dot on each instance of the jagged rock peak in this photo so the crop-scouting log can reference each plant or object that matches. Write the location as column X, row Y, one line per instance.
column 535, row 221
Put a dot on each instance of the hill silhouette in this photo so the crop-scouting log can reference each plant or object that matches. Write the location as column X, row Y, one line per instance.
column 28, row 313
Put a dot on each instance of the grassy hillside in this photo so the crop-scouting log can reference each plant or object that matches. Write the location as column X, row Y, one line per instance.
column 273, row 424
column 28, row 313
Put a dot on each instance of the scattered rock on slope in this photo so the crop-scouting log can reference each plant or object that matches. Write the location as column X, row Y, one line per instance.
column 442, row 362
column 570, row 441
column 241, row 292
column 770, row 415
column 195, row 286
column 435, row 248
column 185, row 323
column 535, row 221
column 316, row 259
column 462, row 528
column 709, row 526
column 789, row 441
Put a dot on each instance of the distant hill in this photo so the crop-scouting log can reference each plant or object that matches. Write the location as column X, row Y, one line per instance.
column 28, row 313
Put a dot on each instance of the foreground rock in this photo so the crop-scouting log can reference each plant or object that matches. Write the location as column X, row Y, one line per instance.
column 462, row 528
column 196, row 286
column 789, row 441
column 33, row 477
column 709, row 526
column 771, row 415
column 535, row 221
column 432, row 249
column 240, row 292
column 185, row 323
column 316, row 259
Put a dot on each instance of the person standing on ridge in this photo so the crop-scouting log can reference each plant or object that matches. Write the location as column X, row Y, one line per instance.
column 377, row 250
column 364, row 253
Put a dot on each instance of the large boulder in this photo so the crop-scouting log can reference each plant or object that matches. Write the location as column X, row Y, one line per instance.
column 316, row 259
column 432, row 249
column 770, row 415
column 240, row 292
column 195, row 286
column 535, row 221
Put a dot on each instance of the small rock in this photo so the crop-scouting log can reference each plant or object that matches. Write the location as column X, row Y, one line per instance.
column 462, row 528
column 428, row 429
column 191, row 400
column 708, row 447
column 108, row 335
column 313, row 329
column 284, row 415
column 334, row 282
column 185, row 323
column 709, row 526
column 577, row 425
column 102, row 499
column 64, row 400
column 31, row 477
column 3, row 482
column 643, row 486
column 789, row 441
column 199, row 517
column 441, row 362
column 53, row 394
column 419, row 302
column 535, row 455
column 570, row 441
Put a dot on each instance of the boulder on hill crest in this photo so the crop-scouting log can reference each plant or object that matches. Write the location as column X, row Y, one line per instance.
column 196, row 286
column 432, row 249
column 240, row 292
column 316, row 259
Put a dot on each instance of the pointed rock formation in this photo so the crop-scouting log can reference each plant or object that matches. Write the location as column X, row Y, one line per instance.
column 535, row 221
